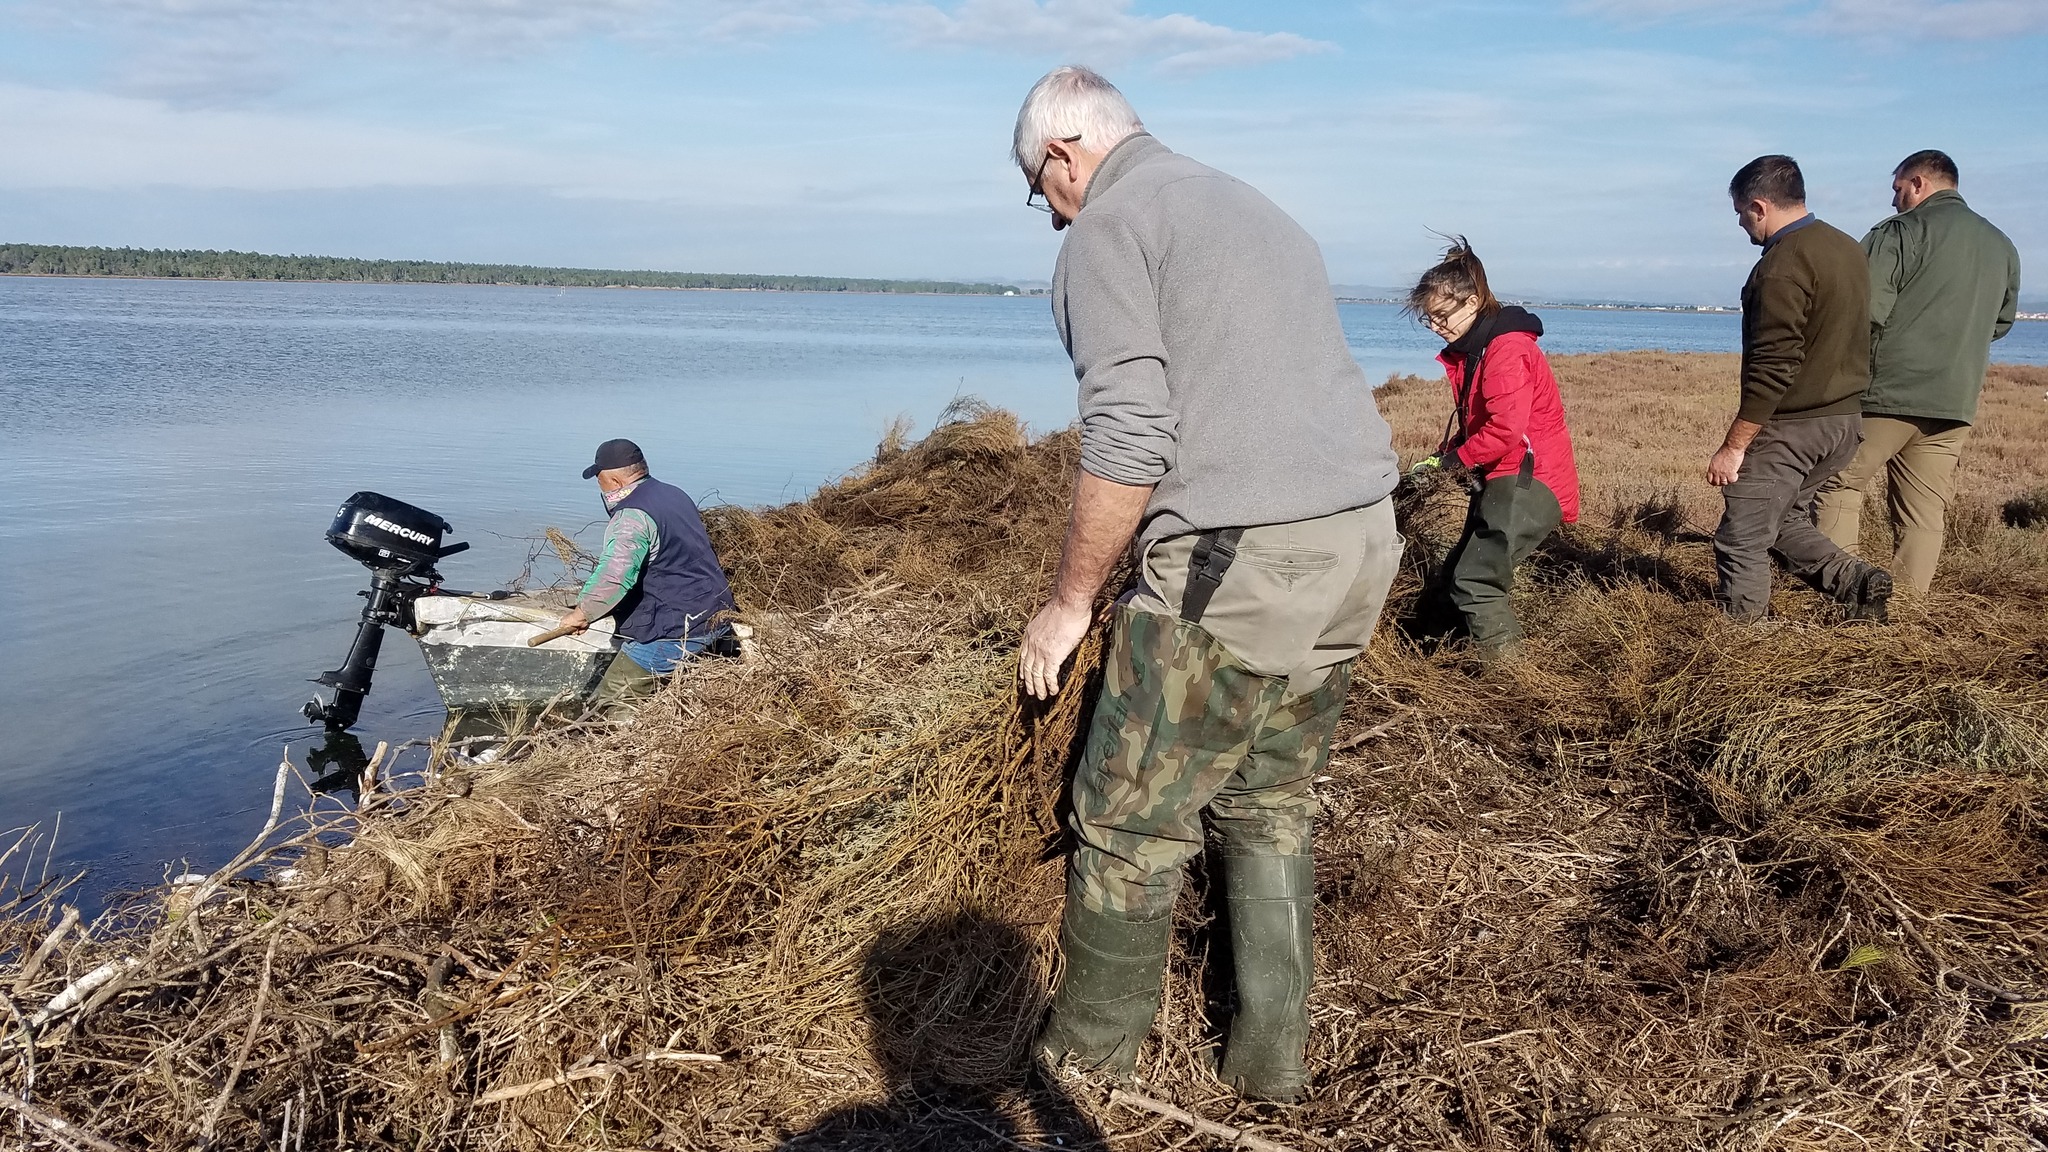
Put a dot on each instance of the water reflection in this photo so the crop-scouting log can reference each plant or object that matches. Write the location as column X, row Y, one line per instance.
column 336, row 762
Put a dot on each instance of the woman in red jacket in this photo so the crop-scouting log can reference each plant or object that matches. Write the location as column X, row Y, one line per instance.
column 1506, row 442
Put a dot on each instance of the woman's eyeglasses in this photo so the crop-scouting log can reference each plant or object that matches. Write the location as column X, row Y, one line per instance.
column 1441, row 317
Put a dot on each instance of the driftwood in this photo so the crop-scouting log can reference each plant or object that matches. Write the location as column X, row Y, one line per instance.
column 80, row 990
column 60, row 1129
column 1237, row 1137
column 44, row 951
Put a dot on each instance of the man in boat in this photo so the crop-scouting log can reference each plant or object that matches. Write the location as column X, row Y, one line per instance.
column 1227, row 430
column 657, row 576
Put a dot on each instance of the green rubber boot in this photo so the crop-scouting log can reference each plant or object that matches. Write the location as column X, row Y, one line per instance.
column 1109, row 992
column 1271, row 902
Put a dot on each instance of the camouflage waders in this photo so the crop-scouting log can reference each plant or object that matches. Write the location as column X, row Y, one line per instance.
column 1182, row 728
column 1219, row 697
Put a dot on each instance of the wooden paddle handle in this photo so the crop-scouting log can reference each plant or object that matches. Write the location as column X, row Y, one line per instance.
column 544, row 637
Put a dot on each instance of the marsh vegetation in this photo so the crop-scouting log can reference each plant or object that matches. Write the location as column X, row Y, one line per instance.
column 1666, row 883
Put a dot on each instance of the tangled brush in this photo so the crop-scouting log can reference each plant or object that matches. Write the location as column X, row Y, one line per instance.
column 1665, row 883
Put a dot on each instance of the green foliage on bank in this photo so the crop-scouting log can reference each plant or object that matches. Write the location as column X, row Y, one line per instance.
column 186, row 264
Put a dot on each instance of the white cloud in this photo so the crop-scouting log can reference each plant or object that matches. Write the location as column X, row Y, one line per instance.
column 492, row 25
column 1939, row 19
column 1104, row 31
column 1874, row 19
column 96, row 141
column 198, row 53
column 71, row 139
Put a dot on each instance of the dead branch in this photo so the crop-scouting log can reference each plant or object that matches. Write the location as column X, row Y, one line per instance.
column 76, row 993
column 596, row 1071
column 59, row 1128
column 1237, row 1137
column 227, row 1089
column 42, row 954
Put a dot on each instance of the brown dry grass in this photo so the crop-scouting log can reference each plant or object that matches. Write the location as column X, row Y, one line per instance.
column 1644, row 423
column 1667, row 884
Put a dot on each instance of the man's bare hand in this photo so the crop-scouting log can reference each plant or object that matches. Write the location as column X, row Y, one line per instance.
column 1725, row 467
column 575, row 621
column 1049, row 639
column 1098, row 530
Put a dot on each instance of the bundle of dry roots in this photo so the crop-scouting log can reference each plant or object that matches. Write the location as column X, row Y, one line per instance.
column 1665, row 883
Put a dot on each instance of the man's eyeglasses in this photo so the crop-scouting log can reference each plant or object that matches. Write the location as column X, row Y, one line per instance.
column 1035, row 198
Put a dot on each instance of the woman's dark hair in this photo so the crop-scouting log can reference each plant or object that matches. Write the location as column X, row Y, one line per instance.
column 1458, row 275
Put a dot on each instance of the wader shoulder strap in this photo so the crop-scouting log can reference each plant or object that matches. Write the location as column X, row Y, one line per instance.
column 1212, row 557
column 1454, row 428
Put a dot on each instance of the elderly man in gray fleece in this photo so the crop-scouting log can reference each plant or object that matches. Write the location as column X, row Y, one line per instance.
column 1227, row 431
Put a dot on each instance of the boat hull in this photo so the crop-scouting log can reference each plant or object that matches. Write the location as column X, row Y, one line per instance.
column 477, row 652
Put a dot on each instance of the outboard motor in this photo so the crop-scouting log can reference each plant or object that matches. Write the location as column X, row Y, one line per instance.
column 400, row 545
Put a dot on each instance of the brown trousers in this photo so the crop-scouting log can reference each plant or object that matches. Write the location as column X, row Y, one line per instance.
column 1918, row 456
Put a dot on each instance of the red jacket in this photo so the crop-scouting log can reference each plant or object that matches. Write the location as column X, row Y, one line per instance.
column 1516, row 404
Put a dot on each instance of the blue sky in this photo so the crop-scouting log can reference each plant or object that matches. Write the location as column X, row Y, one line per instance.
column 1583, row 145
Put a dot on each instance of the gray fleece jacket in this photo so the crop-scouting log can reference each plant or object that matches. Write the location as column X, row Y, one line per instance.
column 1205, row 338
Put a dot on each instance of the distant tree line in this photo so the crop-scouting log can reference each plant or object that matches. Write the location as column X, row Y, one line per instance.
column 188, row 264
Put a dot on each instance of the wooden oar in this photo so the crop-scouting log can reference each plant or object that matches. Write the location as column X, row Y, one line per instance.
column 544, row 637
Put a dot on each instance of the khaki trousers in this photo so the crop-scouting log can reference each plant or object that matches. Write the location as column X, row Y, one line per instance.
column 1300, row 598
column 1918, row 456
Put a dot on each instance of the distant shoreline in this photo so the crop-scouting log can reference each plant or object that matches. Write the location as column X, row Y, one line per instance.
column 1677, row 309
column 1674, row 309
column 745, row 282
column 1019, row 293
column 210, row 264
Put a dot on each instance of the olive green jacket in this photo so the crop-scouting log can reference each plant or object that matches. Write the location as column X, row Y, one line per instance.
column 1944, row 284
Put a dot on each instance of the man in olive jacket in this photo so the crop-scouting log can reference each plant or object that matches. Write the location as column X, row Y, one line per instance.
column 1805, row 365
column 1944, row 283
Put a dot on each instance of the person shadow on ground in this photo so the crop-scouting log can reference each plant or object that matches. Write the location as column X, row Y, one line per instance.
column 952, row 1004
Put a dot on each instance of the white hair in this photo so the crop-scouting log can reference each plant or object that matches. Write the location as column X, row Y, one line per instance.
column 1071, row 101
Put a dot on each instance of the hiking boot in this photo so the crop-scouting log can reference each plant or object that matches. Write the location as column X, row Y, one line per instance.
column 1270, row 899
column 1870, row 599
column 1108, row 993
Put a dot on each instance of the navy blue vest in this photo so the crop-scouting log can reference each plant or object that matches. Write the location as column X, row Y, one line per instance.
column 681, row 586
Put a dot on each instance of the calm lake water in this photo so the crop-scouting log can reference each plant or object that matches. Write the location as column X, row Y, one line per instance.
column 171, row 453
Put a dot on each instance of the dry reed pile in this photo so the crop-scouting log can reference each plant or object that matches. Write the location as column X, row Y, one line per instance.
column 1667, row 883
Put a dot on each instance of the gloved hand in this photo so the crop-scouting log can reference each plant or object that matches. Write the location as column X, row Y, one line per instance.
column 1449, row 467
